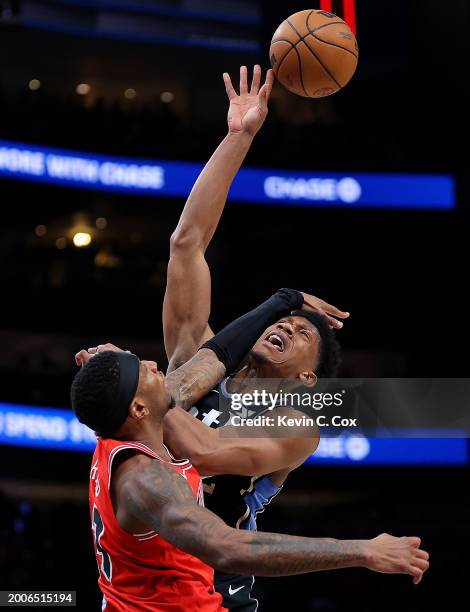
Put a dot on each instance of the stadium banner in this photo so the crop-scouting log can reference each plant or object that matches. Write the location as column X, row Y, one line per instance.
column 163, row 178
column 58, row 429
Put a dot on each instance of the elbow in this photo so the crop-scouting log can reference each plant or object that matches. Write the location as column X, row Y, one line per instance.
column 185, row 240
column 204, row 460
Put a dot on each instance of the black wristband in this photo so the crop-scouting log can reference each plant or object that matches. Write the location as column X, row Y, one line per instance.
column 233, row 342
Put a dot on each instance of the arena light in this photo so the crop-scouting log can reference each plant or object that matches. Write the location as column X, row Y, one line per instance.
column 101, row 223
column 81, row 239
column 40, row 230
column 167, row 97
column 61, row 243
column 130, row 93
column 83, row 89
column 34, row 84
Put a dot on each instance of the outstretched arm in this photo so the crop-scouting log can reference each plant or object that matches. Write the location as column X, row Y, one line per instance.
column 186, row 307
column 157, row 497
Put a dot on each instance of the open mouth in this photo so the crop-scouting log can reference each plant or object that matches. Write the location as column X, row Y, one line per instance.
column 276, row 341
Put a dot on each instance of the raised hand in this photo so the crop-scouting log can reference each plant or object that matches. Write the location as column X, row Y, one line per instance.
column 248, row 109
column 331, row 313
column 83, row 356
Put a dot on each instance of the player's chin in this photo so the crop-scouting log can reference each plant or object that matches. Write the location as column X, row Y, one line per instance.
column 264, row 352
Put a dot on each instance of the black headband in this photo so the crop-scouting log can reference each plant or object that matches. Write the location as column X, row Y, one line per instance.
column 129, row 365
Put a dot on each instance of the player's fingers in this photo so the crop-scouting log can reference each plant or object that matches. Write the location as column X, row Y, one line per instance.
column 422, row 554
column 243, row 80
column 263, row 97
column 269, row 81
column 325, row 307
column 416, row 573
column 231, row 93
column 255, row 83
column 98, row 349
column 332, row 310
column 416, row 542
column 265, row 91
column 334, row 323
column 421, row 564
column 82, row 357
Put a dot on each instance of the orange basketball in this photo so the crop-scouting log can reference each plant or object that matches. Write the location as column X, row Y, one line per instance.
column 314, row 53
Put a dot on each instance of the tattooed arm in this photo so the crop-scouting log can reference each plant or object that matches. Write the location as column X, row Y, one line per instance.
column 195, row 378
column 223, row 353
column 187, row 384
column 156, row 497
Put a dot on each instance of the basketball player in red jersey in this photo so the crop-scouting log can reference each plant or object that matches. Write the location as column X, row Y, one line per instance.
column 155, row 542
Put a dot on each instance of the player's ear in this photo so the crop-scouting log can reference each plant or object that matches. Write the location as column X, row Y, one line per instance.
column 138, row 410
column 308, row 378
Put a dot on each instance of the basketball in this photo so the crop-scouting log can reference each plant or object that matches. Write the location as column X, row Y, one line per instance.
column 314, row 53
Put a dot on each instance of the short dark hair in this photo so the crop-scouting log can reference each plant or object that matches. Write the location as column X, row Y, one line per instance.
column 330, row 350
column 94, row 391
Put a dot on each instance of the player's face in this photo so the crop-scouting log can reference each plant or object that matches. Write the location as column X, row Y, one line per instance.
column 152, row 388
column 289, row 347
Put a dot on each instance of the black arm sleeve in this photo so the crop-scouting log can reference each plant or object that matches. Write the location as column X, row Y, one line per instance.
column 235, row 340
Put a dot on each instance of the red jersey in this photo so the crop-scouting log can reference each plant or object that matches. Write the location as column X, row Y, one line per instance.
column 143, row 571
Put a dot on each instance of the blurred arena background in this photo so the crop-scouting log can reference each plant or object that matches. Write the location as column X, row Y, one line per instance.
column 142, row 80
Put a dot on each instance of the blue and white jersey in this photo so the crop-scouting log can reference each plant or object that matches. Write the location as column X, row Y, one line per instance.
column 236, row 499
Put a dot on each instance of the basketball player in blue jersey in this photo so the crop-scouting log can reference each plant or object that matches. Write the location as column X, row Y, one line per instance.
column 299, row 346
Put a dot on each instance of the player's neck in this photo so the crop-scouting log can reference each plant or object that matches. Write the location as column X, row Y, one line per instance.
column 249, row 370
column 153, row 438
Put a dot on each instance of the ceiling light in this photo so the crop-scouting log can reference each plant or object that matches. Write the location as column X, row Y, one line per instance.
column 83, row 89
column 81, row 239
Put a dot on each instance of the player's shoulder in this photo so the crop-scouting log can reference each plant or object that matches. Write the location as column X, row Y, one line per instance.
column 130, row 461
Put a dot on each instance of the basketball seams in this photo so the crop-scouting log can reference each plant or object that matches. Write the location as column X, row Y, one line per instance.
column 302, row 39
column 311, row 33
column 300, row 71
column 322, row 64
column 326, row 25
column 293, row 47
column 325, row 42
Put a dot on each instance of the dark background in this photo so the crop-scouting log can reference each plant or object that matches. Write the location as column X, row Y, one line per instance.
column 401, row 274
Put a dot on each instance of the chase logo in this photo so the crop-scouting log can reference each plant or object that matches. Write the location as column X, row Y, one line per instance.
column 347, row 190
column 352, row 448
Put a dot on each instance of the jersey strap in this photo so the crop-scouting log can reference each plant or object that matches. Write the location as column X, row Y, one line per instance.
column 257, row 499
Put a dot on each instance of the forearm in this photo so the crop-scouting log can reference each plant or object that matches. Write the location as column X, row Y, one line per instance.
column 272, row 554
column 206, row 201
column 202, row 534
column 193, row 380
